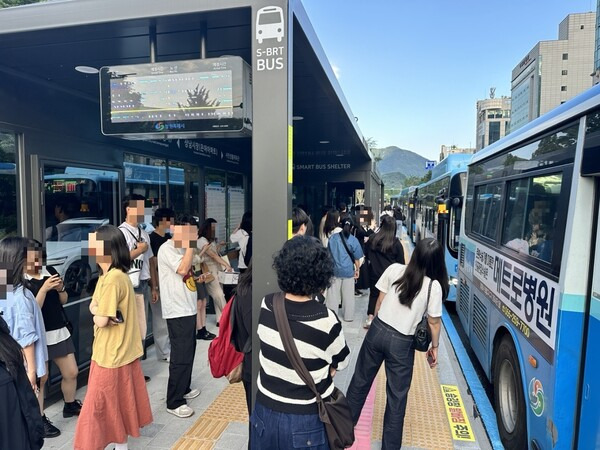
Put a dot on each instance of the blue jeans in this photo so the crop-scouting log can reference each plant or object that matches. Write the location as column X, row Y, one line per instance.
column 274, row 430
column 384, row 343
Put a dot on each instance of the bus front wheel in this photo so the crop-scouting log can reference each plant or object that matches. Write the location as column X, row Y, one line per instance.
column 511, row 411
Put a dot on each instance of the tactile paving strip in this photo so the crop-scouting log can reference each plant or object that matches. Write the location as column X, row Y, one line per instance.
column 425, row 423
column 229, row 406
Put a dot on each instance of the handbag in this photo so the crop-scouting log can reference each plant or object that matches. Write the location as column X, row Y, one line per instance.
column 422, row 336
column 334, row 411
column 208, row 276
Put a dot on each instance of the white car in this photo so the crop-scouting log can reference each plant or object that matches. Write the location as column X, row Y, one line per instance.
column 65, row 244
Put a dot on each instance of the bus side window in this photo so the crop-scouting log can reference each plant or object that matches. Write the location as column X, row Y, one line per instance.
column 531, row 215
column 486, row 210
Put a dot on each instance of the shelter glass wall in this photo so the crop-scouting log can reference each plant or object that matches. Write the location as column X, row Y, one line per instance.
column 8, row 184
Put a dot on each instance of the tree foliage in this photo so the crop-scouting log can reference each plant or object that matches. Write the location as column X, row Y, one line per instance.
column 415, row 181
column 9, row 3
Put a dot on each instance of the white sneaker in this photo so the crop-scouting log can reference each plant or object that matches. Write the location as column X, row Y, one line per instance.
column 183, row 411
column 192, row 394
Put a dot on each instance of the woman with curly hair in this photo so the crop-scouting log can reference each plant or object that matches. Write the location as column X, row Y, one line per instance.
column 286, row 411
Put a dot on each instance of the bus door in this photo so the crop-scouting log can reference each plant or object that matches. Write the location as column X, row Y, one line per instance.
column 75, row 201
column 589, row 419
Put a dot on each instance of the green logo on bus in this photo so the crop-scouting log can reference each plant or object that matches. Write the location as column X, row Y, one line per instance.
column 536, row 396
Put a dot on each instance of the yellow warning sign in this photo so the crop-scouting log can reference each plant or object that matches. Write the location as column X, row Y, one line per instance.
column 457, row 416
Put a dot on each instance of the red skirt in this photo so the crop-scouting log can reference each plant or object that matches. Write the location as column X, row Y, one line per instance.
column 116, row 406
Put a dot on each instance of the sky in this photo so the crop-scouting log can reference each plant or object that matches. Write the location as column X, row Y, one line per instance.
column 412, row 71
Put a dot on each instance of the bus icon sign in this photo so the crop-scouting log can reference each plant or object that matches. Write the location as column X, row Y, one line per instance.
column 429, row 165
column 269, row 24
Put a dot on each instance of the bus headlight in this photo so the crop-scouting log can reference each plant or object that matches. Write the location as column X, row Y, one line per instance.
column 453, row 281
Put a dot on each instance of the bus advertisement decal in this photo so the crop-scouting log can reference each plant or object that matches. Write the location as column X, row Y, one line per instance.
column 536, row 397
column 527, row 299
column 457, row 416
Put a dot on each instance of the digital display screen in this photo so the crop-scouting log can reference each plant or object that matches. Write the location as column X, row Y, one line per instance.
column 178, row 97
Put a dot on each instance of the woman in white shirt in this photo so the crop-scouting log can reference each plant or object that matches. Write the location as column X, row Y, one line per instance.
column 406, row 293
column 212, row 258
column 241, row 235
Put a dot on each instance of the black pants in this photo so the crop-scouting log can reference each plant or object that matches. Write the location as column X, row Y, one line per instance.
column 384, row 343
column 182, row 334
column 373, row 294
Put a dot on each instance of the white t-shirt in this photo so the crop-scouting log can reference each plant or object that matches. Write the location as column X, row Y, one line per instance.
column 241, row 237
column 177, row 293
column 131, row 236
column 399, row 316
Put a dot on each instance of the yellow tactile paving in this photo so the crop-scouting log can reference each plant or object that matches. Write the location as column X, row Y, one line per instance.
column 229, row 406
column 425, row 423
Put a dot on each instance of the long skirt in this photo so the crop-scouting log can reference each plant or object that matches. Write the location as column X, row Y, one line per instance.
column 116, row 406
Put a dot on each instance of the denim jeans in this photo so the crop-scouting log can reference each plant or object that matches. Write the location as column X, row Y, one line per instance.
column 384, row 343
column 274, row 430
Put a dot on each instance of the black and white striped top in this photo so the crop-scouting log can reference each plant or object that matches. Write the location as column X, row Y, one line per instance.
column 320, row 340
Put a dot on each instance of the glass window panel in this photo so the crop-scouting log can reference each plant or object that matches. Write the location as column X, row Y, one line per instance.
column 486, row 209
column 8, row 185
column 184, row 189
column 146, row 176
column 215, row 201
column 77, row 200
column 531, row 213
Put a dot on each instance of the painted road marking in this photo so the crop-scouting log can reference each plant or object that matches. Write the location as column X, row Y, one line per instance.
column 457, row 416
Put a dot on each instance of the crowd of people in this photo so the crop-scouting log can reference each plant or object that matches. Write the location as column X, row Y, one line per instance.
column 173, row 271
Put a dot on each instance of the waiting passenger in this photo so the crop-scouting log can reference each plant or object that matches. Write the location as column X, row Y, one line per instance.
column 24, row 317
column 21, row 425
column 212, row 258
column 382, row 250
column 240, row 236
column 116, row 404
column 50, row 294
column 286, row 409
column 163, row 219
column 138, row 242
column 179, row 308
column 406, row 293
column 346, row 253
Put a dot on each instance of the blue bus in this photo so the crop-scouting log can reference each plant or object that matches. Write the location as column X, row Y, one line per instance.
column 438, row 209
column 529, row 276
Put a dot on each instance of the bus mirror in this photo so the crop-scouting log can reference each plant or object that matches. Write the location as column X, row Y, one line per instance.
column 456, row 201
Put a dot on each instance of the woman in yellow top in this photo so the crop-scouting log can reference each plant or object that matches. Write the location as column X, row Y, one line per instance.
column 117, row 403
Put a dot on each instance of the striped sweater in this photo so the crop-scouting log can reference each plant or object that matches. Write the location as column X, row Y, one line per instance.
column 320, row 340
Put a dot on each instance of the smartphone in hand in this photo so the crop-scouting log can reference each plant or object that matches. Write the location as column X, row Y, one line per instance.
column 430, row 359
column 119, row 318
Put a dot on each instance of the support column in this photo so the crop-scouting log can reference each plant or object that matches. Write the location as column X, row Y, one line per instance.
column 272, row 133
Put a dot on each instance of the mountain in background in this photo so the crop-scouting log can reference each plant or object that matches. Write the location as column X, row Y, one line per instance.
column 397, row 164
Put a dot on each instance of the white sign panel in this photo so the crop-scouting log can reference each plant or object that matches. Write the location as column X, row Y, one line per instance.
column 215, row 208
column 529, row 300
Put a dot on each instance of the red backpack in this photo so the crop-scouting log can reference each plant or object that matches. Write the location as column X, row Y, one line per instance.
column 223, row 358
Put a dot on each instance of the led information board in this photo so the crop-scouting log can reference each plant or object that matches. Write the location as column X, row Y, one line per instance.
column 176, row 99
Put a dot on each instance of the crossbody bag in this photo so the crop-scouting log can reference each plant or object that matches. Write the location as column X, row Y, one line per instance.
column 422, row 336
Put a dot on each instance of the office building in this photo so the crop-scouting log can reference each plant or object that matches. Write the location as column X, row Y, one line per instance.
column 493, row 120
column 554, row 71
column 596, row 73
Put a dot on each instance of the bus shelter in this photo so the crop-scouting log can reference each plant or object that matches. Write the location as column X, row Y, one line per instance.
column 304, row 147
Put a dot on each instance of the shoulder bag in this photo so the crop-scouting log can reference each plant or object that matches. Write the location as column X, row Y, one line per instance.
column 334, row 411
column 422, row 336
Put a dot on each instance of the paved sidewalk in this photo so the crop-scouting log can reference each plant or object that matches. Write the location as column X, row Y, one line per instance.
column 220, row 419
